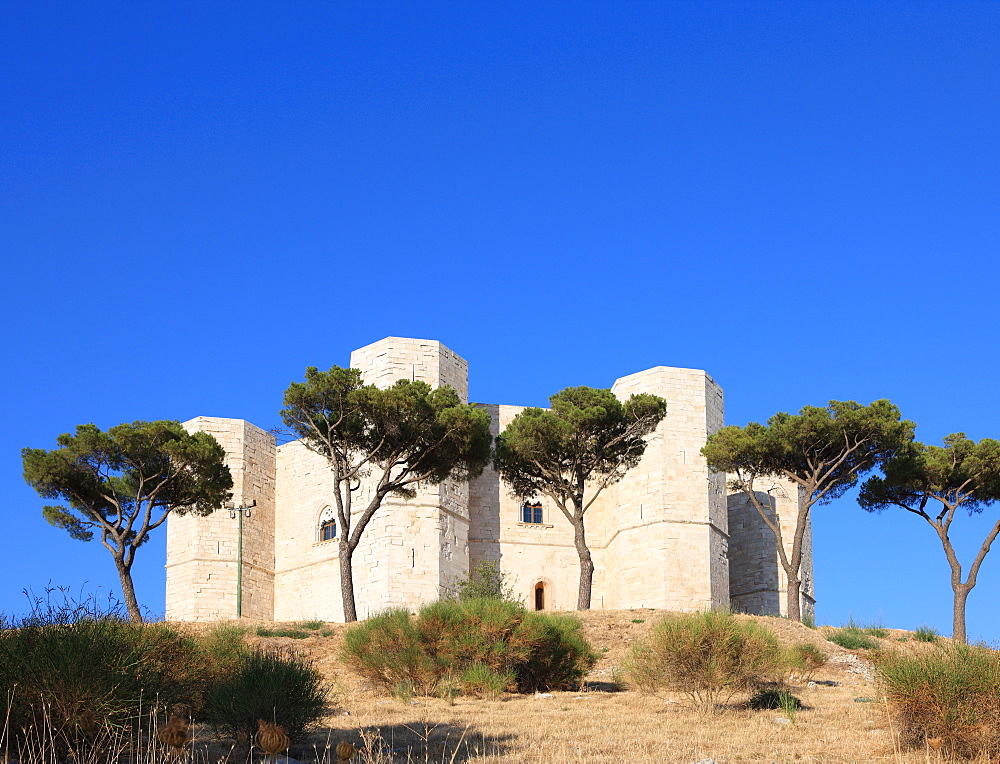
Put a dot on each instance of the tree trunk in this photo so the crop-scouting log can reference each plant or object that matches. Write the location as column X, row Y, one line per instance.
column 128, row 591
column 958, row 616
column 586, row 565
column 347, row 583
column 794, row 594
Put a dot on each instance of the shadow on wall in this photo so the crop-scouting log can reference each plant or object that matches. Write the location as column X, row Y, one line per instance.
column 754, row 567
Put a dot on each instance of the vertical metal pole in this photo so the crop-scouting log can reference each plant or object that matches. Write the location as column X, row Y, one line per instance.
column 239, row 568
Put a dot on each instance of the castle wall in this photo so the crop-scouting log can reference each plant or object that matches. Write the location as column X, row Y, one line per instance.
column 528, row 553
column 396, row 563
column 666, row 536
column 758, row 583
column 384, row 362
column 411, row 552
column 665, row 525
column 202, row 551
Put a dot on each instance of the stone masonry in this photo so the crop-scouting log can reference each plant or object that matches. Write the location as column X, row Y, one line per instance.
column 667, row 536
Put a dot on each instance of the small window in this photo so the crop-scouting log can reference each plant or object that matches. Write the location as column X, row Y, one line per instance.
column 328, row 530
column 531, row 513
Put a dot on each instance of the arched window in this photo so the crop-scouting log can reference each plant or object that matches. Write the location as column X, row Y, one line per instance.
column 531, row 512
column 327, row 525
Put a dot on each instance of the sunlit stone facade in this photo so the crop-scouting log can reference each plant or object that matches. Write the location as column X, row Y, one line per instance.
column 667, row 536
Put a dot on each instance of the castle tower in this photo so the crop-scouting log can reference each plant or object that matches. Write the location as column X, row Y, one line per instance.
column 757, row 580
column 203, row 552
column 665, row 524
column 412, row 551
column 658, row 538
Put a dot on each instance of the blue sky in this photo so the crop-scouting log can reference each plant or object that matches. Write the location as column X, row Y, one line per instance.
column 199, row 200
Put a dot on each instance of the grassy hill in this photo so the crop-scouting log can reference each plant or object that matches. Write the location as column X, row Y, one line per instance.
column 843, row 718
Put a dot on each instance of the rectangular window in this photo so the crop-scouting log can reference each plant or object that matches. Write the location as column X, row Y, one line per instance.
column 328, row 531
column 531, row 513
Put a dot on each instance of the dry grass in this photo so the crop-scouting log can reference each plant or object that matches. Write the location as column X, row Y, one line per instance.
column 606, row 723
column 603, row 723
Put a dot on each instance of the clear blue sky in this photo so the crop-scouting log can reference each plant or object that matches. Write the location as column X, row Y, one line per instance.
column 199, row 200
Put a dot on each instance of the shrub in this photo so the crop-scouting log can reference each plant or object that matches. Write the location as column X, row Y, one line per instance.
column 771, row 699
column 275, row 686
column 386, row 649
column 805, row 658
column 562, row 654
column 486, row 682
column 291, row 633
column 486, row 582
column 447, row 639
column 852, row 637
column 94, row 674
column 952, row 692
column 710, row 656
column 926, row 633
column 876, row 630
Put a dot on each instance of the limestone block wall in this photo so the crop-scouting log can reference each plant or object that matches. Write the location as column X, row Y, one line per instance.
column 202, row 551
column 412, row 551
column 758, row 583
column 409, row 553
column 665, row 524
column 667, row 536
column 384, row 362
column 528, row 553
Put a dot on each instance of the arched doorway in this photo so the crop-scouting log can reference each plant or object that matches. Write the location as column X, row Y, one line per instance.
column 540, row 595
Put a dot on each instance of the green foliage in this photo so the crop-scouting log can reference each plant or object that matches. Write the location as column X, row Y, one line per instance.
column 312, row 625
column 852, row 637
column 491, row 637
column 94, row 674
column 397, row 437
column 822, row 450
column 840, row 441
column 951, row 692
column 710, row 656
column 291, row 633
column 805, row 658
column 934, row 482
column 486, row 682
column 586, row 441
column 275, row 686
column 773, row 698
column 586, row 433
column 926, row 633
column 428, row 432
column 561, row 656
column 123, row 483
column 486, row 582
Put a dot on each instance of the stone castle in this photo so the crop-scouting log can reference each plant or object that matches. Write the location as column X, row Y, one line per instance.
column 667, row 536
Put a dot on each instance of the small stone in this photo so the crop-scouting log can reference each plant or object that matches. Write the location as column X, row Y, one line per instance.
column 544, row 695
column 811, row 685
column 782, row 720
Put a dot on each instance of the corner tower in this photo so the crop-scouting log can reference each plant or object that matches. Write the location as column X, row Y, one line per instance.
column 665, row 523
column 209, row 564
column 412, row 551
